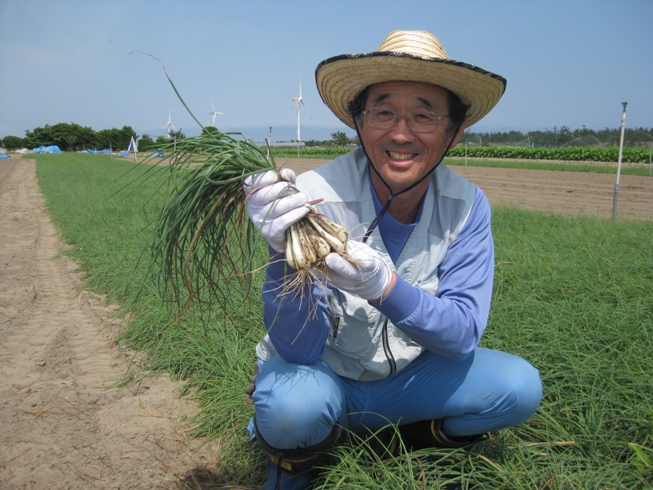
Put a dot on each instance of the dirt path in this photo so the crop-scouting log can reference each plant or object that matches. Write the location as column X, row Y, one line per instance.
column 63, row 426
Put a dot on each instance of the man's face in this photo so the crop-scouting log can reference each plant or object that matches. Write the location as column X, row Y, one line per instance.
column 401, row 155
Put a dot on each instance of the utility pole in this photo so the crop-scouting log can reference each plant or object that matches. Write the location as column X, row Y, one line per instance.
column 621, row 153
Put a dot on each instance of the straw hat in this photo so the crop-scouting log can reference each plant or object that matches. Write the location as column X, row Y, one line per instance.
column 415, row 56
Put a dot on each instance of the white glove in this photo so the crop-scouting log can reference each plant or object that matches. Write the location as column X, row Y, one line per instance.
column 273, row 205
column 367, row 277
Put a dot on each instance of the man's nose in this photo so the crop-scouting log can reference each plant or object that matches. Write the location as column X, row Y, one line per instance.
column 401, row 130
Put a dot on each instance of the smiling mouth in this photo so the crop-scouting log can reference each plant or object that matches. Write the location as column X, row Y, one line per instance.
column 401, row 156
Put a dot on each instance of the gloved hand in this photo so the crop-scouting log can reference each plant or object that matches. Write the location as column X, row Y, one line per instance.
column 273, row 205
column 367, row 276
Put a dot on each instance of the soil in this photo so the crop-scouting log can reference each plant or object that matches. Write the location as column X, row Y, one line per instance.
column 64, row 423
column 67, row 423
column 560, row 192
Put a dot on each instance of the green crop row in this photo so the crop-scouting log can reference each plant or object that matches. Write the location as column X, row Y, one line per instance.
column 573, row 154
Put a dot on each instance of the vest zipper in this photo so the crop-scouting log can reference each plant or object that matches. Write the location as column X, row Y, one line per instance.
column 386, row 348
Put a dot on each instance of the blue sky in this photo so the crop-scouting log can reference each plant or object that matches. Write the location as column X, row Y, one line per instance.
column 568, row 62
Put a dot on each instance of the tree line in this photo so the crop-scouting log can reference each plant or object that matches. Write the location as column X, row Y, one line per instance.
column 73, row 137
column 549, row 138
column 562, row 137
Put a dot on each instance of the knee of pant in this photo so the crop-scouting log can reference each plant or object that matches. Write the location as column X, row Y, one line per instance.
column 523, row 384
column 298, row 408
column 289, row 426
column 293, row 415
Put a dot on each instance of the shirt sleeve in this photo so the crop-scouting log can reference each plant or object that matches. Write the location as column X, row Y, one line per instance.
column 452, row 321
column 295, row 315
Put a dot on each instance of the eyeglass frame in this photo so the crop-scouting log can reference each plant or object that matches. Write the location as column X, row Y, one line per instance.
column 409, row 119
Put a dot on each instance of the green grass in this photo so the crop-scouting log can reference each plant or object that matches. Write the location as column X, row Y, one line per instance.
column 573, row 296
column 610, row 168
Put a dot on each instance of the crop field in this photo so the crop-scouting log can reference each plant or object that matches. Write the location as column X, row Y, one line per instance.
column 571, row 190
column 572, row 295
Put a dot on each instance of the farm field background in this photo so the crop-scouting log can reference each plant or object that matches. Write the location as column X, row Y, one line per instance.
column 581, row 193
column 572, row 295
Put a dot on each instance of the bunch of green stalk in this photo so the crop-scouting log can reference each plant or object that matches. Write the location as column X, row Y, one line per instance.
column 204, row 238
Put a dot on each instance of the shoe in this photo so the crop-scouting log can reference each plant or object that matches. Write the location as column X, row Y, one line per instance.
column 428, row 433
column 279, row 479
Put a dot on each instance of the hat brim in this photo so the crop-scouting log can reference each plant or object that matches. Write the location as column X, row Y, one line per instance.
column 341, row 78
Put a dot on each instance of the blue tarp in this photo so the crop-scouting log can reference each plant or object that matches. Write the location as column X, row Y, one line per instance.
column 47, row 149
column 106, row 151
column 124, row 154
column 4, row 155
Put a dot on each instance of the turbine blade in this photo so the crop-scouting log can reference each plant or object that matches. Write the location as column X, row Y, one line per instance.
column 309, row 114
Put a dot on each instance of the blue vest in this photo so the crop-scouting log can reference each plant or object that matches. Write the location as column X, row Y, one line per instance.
column 362, row 343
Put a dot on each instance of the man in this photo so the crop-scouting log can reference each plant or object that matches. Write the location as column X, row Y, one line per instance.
column 392, row 337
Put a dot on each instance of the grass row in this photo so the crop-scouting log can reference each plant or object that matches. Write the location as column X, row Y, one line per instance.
column 583, row 167
column 572, row 295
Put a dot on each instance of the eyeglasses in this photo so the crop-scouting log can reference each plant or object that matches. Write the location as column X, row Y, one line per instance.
column 419, row 120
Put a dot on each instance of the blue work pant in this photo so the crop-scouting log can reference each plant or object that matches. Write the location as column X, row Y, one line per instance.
column 297, row 405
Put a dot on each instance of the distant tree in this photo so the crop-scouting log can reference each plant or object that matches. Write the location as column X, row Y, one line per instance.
column 515, row 137
column 12, row 142
column 543, row 138
column 116, row 139
column 146, row 143
column 639, row 137
column 67, row 136
column 565, row 136
column 478, row 139
column 124, row 137
column 177, row 134
column 583, row 132
column 104, row 137
column 207, row 130
column 609, row 136
column 339, row 138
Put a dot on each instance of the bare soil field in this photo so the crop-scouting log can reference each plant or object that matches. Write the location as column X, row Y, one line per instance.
column 568, row 193
column 64, row 422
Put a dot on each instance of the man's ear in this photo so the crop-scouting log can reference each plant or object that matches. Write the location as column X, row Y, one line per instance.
column 459, row 134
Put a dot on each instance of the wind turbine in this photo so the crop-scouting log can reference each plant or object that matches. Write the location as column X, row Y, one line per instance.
column 169, row 124
column 299, row 101
column 215, row 113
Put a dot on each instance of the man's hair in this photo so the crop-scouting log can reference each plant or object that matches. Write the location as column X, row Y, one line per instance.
column 457, row 110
